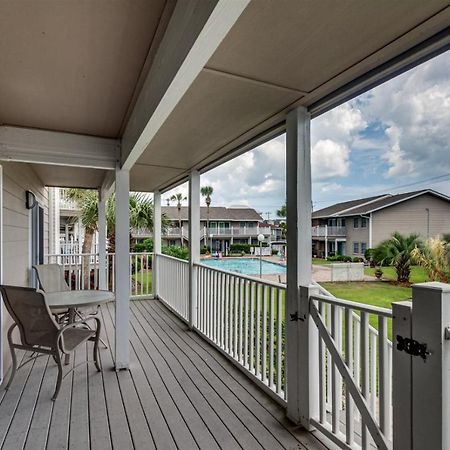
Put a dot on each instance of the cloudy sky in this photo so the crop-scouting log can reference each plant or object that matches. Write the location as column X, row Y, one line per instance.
column 394, row 138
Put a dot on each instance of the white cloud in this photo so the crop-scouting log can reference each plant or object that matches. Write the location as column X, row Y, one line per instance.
column 329, row 160
column 414, row 109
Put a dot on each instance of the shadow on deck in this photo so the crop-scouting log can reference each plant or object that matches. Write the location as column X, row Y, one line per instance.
column 180, row 393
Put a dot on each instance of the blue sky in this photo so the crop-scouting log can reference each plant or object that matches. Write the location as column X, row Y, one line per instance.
column 394, row 138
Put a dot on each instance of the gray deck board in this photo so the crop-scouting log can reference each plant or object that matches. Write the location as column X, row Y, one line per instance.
column 180, row 393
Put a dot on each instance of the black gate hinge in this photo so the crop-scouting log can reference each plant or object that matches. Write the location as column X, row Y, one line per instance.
column 412, row 347
column 295, row 317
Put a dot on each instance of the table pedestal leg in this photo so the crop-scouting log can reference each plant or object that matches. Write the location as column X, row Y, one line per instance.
column 71, row 320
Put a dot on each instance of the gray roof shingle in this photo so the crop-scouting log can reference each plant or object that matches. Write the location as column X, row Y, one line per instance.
column 215, row 213
column 370, row 204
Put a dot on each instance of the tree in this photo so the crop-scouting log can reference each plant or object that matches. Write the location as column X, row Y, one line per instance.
column 397, row 251
column 206, row 192
column 435, row 258
column 179, row 198
column 282, row 213
column 141, row 216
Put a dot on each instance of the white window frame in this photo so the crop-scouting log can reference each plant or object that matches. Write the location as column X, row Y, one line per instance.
column 361, row 247
column 364, row 222
column 355, row 222
column 356, row 245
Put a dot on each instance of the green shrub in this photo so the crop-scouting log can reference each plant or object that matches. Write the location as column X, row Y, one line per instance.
column 176, row 251
column 357, row 259
column 205, row 249
column 368, row 254
column 145, row 246
column 240, row 248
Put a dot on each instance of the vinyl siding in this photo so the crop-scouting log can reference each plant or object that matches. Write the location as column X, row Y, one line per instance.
column 355, row 235
column 411, row 217
column 17, row 178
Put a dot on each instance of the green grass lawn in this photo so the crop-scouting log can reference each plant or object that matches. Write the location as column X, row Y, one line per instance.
column 418, row 274
column 143, row 278
column 320, row 262
column 376, row 293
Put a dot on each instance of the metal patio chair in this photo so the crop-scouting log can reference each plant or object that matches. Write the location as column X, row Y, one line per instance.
column 51, row 279
column 41, row 334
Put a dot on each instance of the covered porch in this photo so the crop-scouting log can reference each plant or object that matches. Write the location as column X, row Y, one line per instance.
column 179, row 392
column 143, row 96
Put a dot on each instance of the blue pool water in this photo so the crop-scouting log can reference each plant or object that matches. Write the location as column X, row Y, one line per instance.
column 246, row 266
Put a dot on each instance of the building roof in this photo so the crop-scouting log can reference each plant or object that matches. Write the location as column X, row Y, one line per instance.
column 215, row 213
column 371, row 204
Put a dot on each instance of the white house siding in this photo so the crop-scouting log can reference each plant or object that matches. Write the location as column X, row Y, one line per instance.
column 17, row 178
column 411, row 217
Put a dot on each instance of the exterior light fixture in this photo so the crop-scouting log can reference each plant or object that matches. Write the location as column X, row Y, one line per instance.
column 30, row 200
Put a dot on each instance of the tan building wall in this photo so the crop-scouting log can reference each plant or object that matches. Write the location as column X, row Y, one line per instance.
column 412, row 216
column 17, row 178
column 360, row 235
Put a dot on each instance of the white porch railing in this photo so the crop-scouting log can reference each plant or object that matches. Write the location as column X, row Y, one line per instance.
column 173, row 283
column 355, row 373
column 244, row 317
column 82, row 271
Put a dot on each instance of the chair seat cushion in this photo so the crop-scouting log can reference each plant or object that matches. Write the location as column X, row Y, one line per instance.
column 73, row 337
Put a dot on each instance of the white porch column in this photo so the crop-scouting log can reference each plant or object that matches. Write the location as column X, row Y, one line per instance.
column 302, row 352
column 102, row 240
column 122, row 278
column 431, row 378
column 156, row 240
column 326, row 241
column 194, row 243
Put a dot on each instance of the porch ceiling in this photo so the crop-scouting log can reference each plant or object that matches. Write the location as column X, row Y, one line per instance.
column 76, row 177
column 279, row 55
column 73, row 66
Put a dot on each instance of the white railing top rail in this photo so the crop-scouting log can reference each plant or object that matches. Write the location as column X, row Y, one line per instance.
column 244, row 277
column 353, row 305
column 172, row 258
column 71, row 254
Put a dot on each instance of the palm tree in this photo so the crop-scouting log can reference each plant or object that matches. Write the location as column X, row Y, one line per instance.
column 435, row 258
column 179, row 198
column 282, row 213
column 206, row 192
column 141, row 216
column 397, row 251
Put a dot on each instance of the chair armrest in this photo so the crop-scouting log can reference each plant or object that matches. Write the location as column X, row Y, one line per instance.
column 76, row 324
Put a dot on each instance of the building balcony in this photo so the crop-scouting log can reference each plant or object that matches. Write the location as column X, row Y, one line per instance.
column 323, row 231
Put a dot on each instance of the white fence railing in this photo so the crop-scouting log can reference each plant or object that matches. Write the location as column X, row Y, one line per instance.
column 244, row 317
column 173, row 283
column 82, row 271
column 355, row 372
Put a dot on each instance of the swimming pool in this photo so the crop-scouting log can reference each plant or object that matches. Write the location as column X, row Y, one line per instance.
column 246, row 266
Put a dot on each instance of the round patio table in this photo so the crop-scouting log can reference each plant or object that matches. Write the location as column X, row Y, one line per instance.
column 73, row 300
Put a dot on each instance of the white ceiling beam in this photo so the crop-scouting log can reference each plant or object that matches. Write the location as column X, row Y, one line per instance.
column 62, row 149
column 223, row 17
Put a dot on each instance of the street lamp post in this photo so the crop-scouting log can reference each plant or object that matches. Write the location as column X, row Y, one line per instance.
column 260, row 240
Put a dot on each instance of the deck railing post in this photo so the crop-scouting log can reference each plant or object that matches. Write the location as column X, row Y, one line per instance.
column 194, row 243
column 431, row 371
column 401, row 378
column 301, row 357
column 102, row 240
column 122, row 269
column 156, row 241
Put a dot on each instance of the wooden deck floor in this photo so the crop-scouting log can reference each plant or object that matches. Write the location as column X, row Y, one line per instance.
column 180, row 393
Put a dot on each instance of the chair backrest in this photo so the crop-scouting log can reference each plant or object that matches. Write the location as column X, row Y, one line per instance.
column 31, row 314
column 51, row 277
